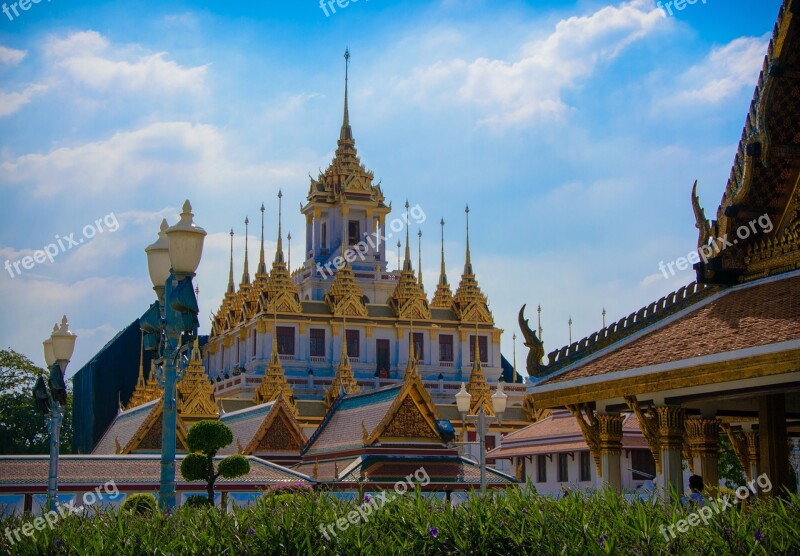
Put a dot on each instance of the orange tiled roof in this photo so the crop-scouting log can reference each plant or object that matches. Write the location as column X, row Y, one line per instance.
column 746, row 316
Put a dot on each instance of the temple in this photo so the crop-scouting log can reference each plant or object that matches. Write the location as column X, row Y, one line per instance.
column 721, row 355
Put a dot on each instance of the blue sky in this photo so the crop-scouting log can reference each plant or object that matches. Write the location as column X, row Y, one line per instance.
column 573, row 129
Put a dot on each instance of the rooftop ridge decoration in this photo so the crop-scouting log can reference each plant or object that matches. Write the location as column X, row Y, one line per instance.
column 408, row 300
column 346, row 174
column 195, row 393
column 780, row 253
column 274, row 383
column 261, row 272
column 470, row 304
column 346, row 298
column 535, row 347
column 668, row 305
column 443, row 298
column 280, row 292
column 344, row 382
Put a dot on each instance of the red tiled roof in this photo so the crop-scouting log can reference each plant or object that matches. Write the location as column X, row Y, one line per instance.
column 744, row 317
column 89, row 471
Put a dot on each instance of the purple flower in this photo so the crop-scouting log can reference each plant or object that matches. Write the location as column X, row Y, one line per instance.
column 524, row 511
column 434, row 532
column 367, row 499
column 759, row 536
column 602, row 540
column 726, row 534
column 58, row 543
column 566, row 493
column 251, row 531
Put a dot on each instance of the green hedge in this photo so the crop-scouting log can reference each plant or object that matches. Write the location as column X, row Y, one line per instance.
column 508, row 523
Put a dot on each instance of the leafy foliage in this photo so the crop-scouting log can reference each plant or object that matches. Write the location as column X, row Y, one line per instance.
column 198, row 502
column 730, row 468
column 205, row 438
column 140, row 504
column 516, row 521
column 23, row 430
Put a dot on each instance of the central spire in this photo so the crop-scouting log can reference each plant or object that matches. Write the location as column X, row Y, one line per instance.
column 231, row 286
column 407, row 261
column 468, row 261
column 346, row 134
column 262, row 265
column 246, row 271
column 279, row 250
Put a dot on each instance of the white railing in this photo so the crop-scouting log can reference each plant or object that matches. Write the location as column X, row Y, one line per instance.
column 317, row 359
column 286, row 357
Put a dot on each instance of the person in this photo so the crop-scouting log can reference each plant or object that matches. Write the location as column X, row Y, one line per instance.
column 696, row 487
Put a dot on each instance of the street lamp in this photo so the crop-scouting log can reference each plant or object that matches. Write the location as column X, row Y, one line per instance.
column 170, row 324
column 463, row 402
column 51, row 396
column 795, row 461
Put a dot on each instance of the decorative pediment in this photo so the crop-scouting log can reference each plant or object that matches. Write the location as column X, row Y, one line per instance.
column 195, row 393
column 469, row 303
column 408, row 299
column 412, row 414
column 346, row 298
column 408, row 422
column 148, row 436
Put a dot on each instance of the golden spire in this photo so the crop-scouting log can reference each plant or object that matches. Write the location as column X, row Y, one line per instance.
column 408, row 298
column 279, row 250
column 141, row 394
column 274, row 382
column 344, row 380
column 346, row 134
column 469, row 303
column 443, row 297
column 246, row 271
column 262, row 265
column 289, row 262
column 419, row 255
column 194, row 392
column 478, row 387
column 411, row 366
column 140, row 382
column 231, row 286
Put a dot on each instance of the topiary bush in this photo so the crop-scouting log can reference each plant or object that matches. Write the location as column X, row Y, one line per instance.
column 197, row 502
column 140, row 504
column 205, row 439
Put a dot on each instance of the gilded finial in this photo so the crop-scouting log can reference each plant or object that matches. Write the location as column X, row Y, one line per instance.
column 346, row 133
column 468, row 261
column 289, row 262
column 246, row 272
column 398, row 254
column 279, row 250
column 407, row 261
column 419, row 254
column 262, row 265
column 570, row 330
column 443, row 272
column 231, row 287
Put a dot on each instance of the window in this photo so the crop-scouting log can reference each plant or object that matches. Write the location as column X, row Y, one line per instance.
column 483, row 346
column 445, row 347
column 586, row 467
column 643, row 465
column 563, row 468
column 285, row 340
column 541, row 468
column 419, row 346
column 353, row 232
column 317, row 342
column 324, row 236
column 353, row 344
column 382, row 357
column 255, row 343
column 491, row 442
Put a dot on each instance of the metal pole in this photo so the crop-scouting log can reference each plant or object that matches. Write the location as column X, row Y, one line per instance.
column 55, row 433
column 482, row 436
column 166, row 492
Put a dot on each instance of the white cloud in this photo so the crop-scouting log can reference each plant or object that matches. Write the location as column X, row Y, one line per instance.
column 724, row 72
column 88, row 58
column 516, row 91
column 11, row 56
column 12, row 102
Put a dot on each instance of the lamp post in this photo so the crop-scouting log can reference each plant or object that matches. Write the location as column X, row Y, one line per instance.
column 463, row 402
column 795, row 461
column 171, row 322
column 51, row 396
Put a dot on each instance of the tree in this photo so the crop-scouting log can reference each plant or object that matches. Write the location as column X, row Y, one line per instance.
column 23, row 430
column 205, row 439
column 730, row 468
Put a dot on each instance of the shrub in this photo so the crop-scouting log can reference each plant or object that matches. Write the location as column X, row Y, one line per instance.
column 197, row 502
column 140, row 504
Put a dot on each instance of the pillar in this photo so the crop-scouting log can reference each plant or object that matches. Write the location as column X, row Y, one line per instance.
column 753, row 454
column 611, row 449
column 703, row 436
column 670, row 440
column 774, row 442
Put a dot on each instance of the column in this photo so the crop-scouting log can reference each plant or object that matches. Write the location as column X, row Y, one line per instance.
column 611, row 449
column 753, row 454
column 774, row 442
column 670, row 440
column 703, row 436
